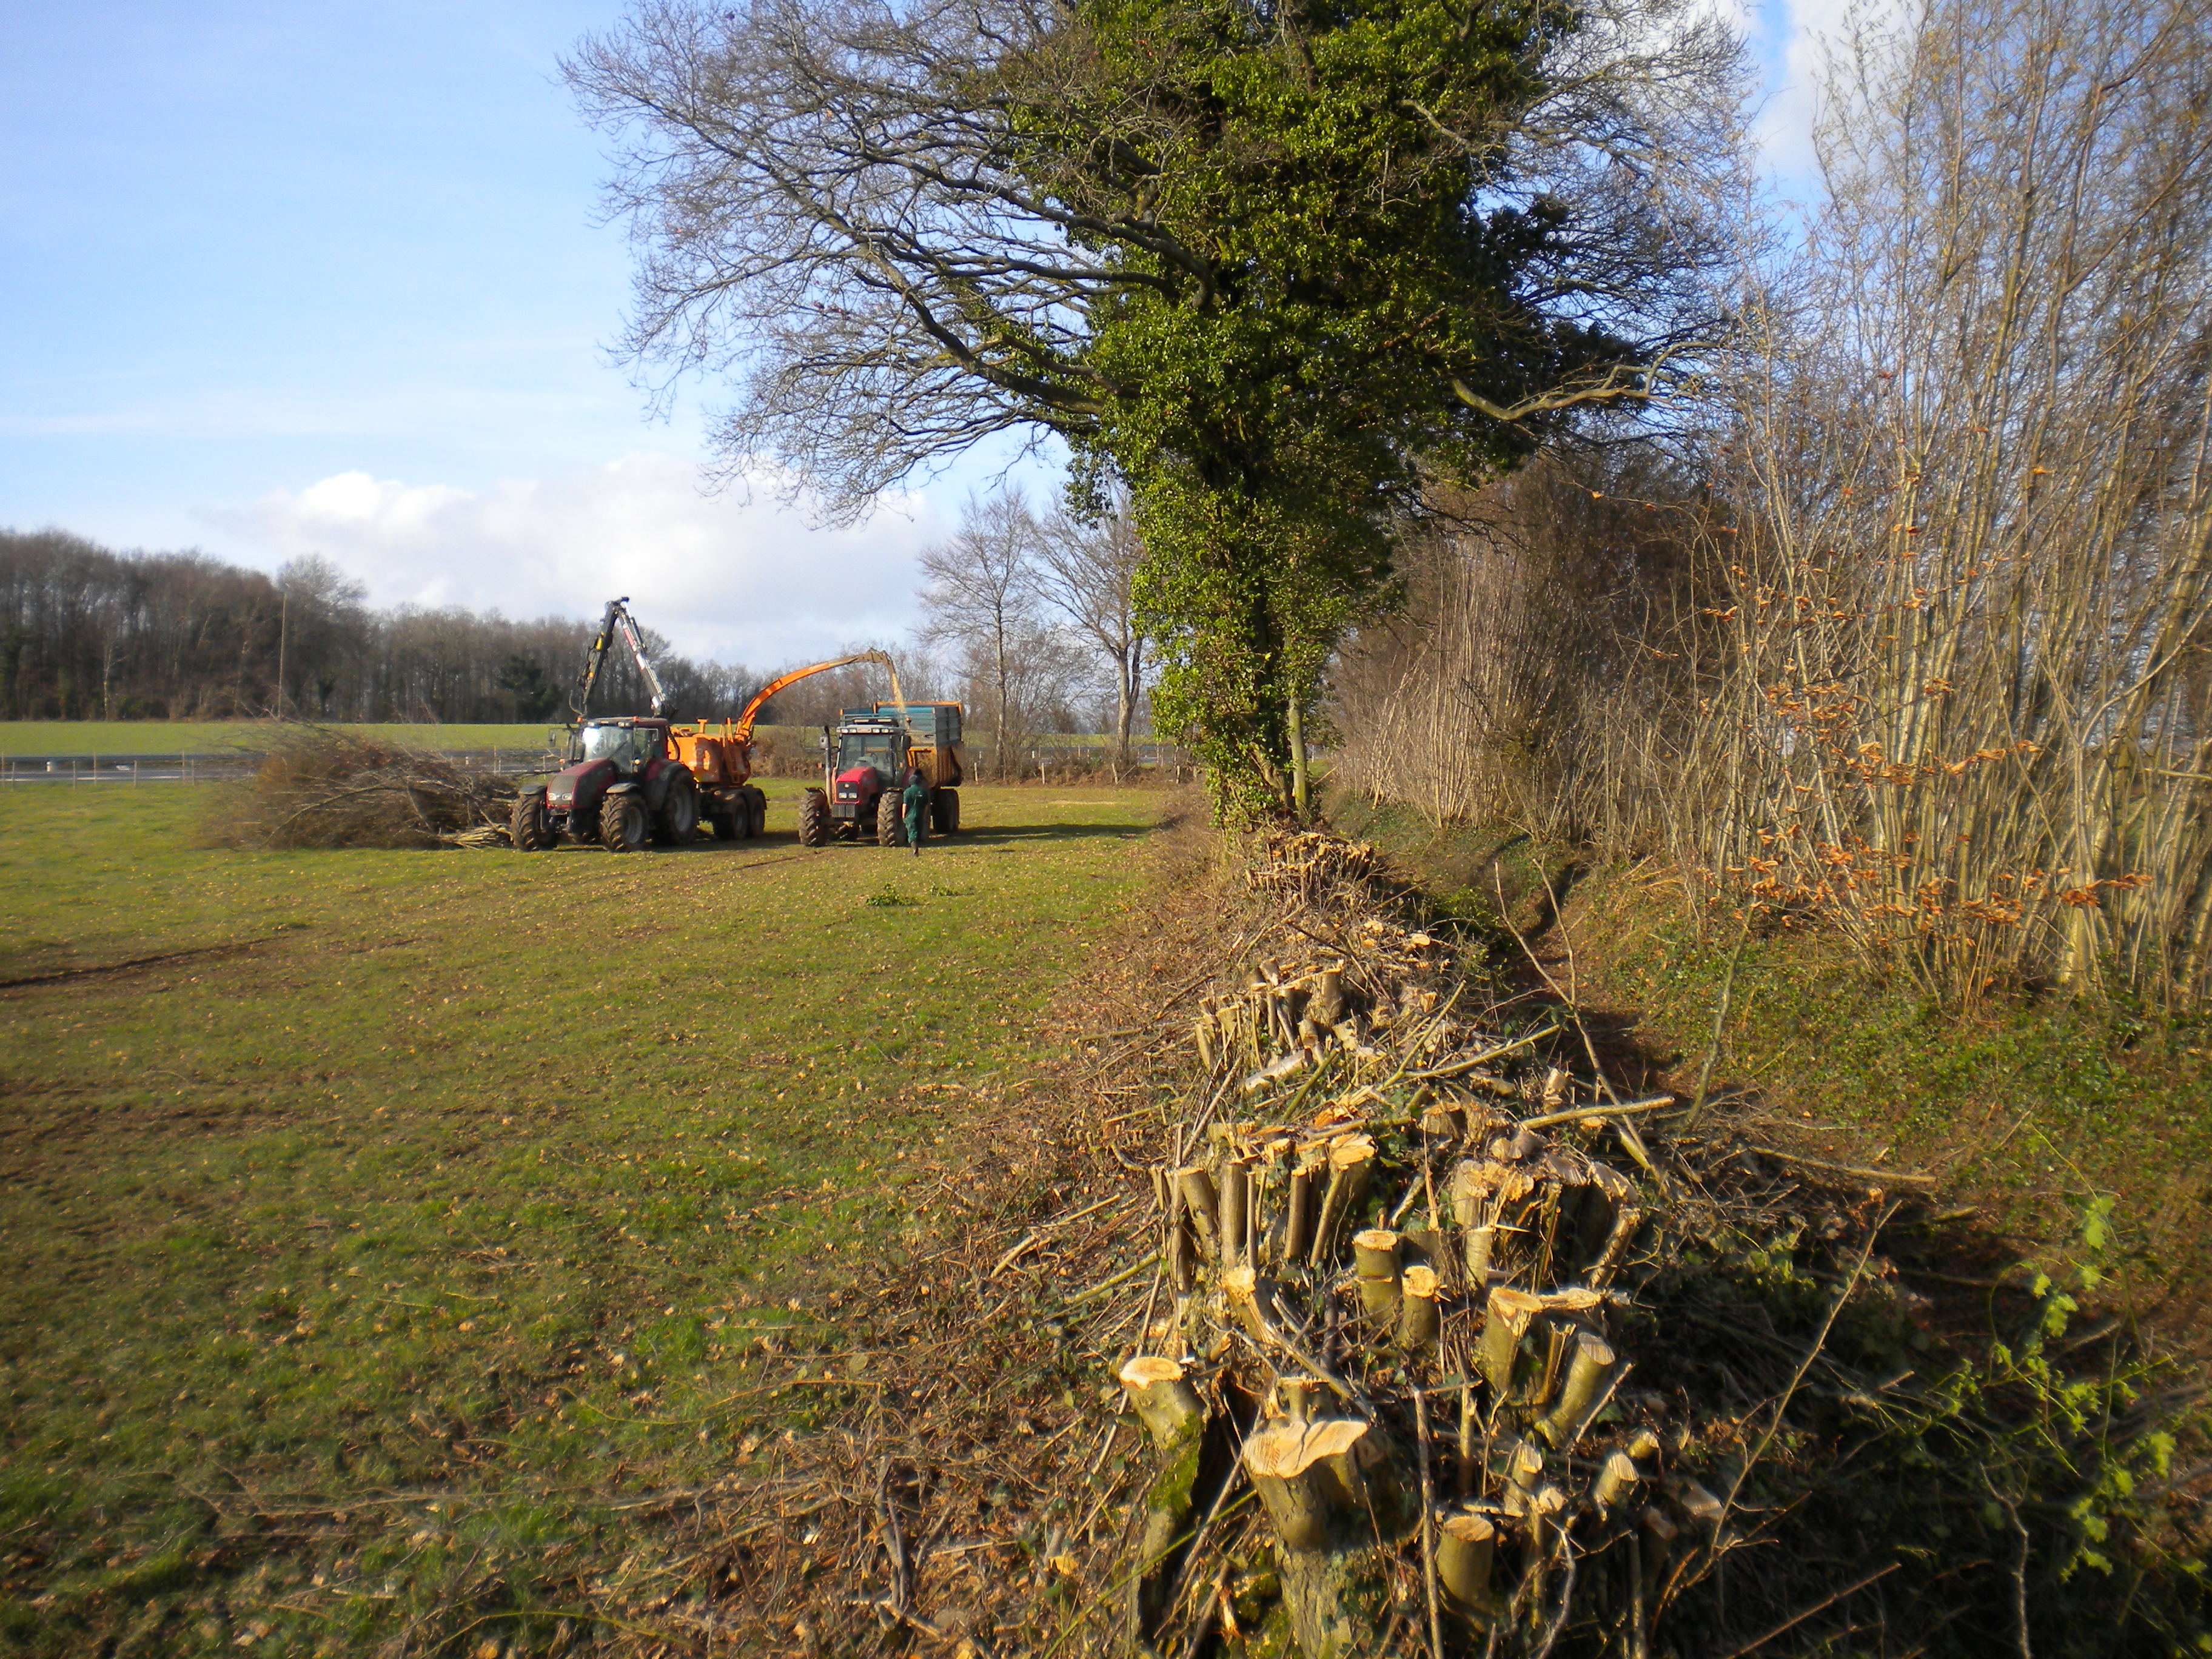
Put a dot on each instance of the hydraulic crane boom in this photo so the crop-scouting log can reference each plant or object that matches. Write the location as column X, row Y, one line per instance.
column 744, row 723
column 618, row 616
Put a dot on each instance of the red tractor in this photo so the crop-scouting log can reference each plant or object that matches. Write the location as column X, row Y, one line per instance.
column 623, row 785
column 864, row 766
column 620, row 789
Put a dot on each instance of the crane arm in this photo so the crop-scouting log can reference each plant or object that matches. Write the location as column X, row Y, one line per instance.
column 595, row 659
column 644, row 666
column 744, row 720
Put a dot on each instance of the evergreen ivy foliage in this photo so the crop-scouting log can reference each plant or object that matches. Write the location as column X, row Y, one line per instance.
column 1274, row 267
column 1342, row 255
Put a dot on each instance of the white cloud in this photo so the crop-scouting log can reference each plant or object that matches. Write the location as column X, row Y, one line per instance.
column 736, row 574
column 1803, row 33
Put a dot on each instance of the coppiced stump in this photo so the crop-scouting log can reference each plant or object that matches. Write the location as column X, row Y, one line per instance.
column 1359, row 1233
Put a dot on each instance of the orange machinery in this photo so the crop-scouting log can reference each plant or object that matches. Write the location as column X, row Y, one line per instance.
column 720, row 753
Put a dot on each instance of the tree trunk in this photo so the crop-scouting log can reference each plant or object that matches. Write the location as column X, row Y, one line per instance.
column 999, row 739
column 1299, row 793
column 1125, row 698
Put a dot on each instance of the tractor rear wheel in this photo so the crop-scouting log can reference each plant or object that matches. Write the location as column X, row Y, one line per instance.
column 678, row 820
column 623, row 826
column 890, row 826
column 813, row 819
column 526, row 824
column 945, row 811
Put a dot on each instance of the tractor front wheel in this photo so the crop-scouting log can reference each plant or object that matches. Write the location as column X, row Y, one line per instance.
column 679, row 814
column 623, row 824
column 814, row 819
column 526, row 823
column 890, row 826
column 945, row 810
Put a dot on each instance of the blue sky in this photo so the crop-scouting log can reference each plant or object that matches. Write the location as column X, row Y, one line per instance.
column 331, row 276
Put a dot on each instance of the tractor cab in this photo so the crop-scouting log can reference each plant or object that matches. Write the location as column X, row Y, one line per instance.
column 877, row 745
column 869, row 758
column 631, row 744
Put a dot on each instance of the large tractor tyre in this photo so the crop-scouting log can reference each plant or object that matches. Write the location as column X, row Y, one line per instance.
column 890, row 824
column 729, row 822
column 814, row 821
column 945, row 811
column 525, row 823
column 759, row 819
column 676, row 825
column 624, row 826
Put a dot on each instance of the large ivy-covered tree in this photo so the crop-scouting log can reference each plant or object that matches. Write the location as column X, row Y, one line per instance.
column 1272, row 266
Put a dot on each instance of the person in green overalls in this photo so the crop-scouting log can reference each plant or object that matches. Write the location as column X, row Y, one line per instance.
column 916, row 801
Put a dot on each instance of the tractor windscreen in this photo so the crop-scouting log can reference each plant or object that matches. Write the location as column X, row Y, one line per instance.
column 626, row 746
column 876, row 748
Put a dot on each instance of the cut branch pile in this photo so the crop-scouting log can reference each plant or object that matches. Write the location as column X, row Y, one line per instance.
column 320, row 787
column 1391, row 1311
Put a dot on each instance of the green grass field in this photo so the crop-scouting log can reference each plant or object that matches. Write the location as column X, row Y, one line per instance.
column 467, row 1174
column 212, row 737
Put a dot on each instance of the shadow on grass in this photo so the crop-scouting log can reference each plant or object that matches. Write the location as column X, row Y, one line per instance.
column 1012, row 835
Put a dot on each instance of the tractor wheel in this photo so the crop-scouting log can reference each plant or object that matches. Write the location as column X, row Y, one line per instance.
column 944, row 811
column 759, row 819
column 623, row 826
column 729, row 823
column 890, row 825
column 677, row 823
column 814, row 823
column 526, row 822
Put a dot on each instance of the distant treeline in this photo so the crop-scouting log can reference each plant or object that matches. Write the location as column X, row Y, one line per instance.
column 88, row 634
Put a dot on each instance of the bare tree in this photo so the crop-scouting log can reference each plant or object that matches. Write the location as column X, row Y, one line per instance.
column 1963, row 704
column 981, row 597
column 1087, row 572
column 323, row 611
column 1275, row 269
column 1534, row 676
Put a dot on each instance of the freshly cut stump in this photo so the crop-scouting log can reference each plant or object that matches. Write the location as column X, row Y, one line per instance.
column 1174, row 1417
column 1337, row 1504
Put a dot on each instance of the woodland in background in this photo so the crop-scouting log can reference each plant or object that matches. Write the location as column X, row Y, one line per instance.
column 89, row 634
column 1037, row 615
column 1904, row 628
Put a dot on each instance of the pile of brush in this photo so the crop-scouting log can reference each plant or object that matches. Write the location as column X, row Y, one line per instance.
column 1393, row 1242
column 320, row 787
